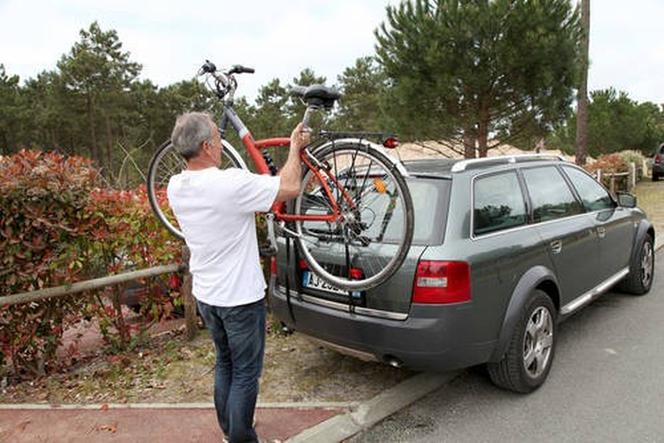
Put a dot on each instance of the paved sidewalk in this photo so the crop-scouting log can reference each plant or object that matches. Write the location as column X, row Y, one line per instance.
column 143, row 424
column 196, row 422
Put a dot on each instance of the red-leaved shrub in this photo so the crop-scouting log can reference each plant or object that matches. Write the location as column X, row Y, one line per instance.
column 58, row 225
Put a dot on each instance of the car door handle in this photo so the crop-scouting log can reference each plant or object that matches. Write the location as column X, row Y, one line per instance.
column 556, row 246
column 601, row 232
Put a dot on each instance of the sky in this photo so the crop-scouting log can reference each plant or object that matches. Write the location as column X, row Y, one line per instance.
column 171, row 39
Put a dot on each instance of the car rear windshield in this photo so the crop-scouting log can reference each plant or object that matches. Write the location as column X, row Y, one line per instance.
column 430, row 200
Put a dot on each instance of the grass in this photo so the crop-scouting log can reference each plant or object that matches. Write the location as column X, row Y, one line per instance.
column 650, row 198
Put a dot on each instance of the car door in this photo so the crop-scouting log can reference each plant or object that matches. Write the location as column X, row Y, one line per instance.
column 567, row 232
column 613, row 224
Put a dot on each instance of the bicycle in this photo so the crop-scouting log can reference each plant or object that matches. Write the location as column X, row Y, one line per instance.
column 353, row 218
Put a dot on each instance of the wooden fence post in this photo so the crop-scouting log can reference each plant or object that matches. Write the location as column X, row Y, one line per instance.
column 613, row 183
column 191, row 326
column 599, row 175
column 632, row 170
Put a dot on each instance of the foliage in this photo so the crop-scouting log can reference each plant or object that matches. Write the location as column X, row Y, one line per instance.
column 96, row 73
column 93, row 104
column 11, row 105
column 58, row 226
column 461, row 70
column 361, row 107
column 609, row 164
column 615, row 123
column 631, row 156
column 43, row 243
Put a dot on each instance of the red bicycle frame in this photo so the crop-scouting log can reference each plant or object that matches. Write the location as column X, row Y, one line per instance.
column 254, row 148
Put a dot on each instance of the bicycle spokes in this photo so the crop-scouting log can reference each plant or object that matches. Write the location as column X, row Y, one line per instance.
column 367, row 224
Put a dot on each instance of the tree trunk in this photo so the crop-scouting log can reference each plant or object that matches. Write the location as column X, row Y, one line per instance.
column 582, row 94
column 94, row 149
column 483, row 130
column 468, row 143
column 4, row 144
column 109, row 148
column 119, row 320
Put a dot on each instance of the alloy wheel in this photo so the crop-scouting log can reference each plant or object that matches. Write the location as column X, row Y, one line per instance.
column 537, row 342
column 646, row 264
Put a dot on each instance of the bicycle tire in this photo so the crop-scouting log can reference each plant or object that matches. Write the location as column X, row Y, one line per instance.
column 340, row 275
column 167, row 162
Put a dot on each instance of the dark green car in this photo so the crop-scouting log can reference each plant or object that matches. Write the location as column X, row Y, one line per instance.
column 503, row 250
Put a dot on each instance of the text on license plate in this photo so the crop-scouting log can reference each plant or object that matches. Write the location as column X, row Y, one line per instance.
column 312, row 281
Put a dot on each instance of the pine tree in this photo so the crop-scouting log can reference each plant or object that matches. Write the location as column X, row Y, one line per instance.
column 465, row 71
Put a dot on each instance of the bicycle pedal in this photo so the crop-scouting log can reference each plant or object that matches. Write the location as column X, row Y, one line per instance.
column 267, row 251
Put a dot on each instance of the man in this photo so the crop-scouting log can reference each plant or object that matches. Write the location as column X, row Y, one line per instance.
column 216, row 212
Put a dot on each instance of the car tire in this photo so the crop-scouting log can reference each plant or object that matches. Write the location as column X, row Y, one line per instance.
column 527, row 362
column 641, row 270
column 655, row 177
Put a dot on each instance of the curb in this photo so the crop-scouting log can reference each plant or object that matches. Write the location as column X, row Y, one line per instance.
column 368, row 413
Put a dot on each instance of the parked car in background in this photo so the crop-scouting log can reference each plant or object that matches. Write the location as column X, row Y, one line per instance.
column 658, row 163
column 504, row 249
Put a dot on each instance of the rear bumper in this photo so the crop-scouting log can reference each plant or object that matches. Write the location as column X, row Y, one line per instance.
column 429, row 338
column 658, row 169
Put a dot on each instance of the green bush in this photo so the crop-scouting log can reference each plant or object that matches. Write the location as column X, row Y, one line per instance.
column 631, row 156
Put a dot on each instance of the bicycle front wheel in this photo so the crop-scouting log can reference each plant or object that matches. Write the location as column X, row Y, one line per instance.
column 372, row 236
column 166, row 163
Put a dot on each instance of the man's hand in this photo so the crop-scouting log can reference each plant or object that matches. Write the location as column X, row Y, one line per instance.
column 291, row 173
column 300, row 137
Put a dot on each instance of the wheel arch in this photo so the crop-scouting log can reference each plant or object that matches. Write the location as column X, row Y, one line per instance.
column 537, row 277
column 644, row 228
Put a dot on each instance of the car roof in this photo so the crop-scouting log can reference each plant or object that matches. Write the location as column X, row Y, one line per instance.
column 433, row 167
column 446, row 167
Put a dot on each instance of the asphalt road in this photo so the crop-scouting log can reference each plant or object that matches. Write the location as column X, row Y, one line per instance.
column 606, row 384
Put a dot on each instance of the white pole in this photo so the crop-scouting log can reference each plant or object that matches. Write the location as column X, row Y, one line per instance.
column 633, row 174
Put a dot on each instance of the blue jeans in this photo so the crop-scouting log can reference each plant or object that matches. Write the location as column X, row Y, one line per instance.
column 238, row 333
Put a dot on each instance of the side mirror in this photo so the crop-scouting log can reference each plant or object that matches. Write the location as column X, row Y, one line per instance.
column 626, row 200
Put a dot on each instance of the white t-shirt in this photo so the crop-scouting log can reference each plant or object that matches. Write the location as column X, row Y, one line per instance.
column 215, row 210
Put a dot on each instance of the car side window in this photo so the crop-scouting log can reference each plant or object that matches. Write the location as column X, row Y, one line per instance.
column 550, row 195
column 498, row 203
column 593, row 195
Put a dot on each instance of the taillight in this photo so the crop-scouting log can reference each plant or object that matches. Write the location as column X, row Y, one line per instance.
column 273, row 266
column 355, row 273
column 658, row 159
column 391, row 142
column 439, row 282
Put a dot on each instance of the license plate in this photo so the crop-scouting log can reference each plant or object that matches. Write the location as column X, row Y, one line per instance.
column 312, row 281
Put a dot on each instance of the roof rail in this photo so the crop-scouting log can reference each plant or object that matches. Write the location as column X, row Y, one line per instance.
column 463, row 164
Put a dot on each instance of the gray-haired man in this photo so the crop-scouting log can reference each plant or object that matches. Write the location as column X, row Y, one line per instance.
column 215, row 209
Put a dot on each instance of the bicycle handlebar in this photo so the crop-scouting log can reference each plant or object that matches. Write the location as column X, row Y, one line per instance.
column 225, row 81
column 239, row 69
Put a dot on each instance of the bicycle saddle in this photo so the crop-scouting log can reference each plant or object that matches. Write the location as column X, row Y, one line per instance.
column 317, row 95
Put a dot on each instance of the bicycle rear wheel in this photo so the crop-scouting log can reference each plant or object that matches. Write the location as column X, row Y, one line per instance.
column 166, row 163
column 373, row 235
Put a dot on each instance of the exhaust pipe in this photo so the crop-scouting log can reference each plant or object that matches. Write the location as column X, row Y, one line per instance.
column 393, row 361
